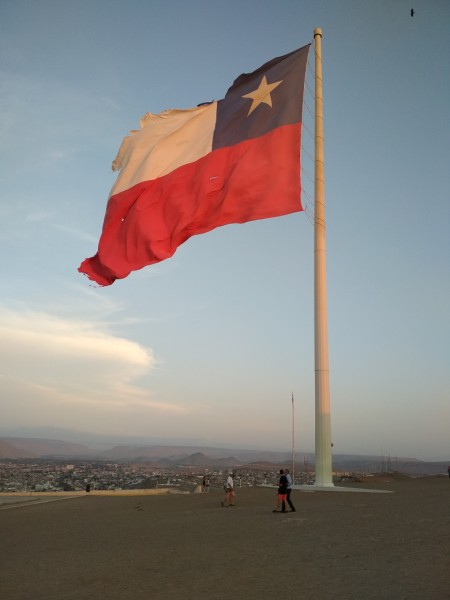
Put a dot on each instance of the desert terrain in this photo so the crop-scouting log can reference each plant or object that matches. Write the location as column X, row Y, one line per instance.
column 336, row 546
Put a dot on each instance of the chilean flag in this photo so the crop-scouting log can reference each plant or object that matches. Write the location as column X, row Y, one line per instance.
column 186, row 172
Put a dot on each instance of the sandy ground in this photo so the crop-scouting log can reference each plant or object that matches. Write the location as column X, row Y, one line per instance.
column 8, row 499
column 354, row 546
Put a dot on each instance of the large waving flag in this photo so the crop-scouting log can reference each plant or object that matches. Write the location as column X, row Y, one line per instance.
column 186, row 172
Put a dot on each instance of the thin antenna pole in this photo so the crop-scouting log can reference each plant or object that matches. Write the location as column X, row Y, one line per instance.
column 322, row 387
column 293, row 440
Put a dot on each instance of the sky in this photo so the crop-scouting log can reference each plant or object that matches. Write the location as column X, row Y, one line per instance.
column 208, row 347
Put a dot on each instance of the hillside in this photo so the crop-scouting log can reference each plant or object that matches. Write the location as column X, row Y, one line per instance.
column 40, row 448
column 16, row 448
column 9, row 450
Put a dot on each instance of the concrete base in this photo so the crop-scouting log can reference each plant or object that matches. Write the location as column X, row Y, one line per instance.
column 335, row 488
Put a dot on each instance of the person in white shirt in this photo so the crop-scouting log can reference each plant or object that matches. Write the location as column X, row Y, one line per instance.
column 230, row 495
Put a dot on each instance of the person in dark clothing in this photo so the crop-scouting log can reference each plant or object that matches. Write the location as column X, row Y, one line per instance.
column 288, row 492
column 282, row 492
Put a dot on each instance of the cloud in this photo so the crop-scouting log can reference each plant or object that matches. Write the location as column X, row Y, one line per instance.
column 73, row 369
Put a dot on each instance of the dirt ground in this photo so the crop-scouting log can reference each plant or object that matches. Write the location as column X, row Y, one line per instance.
column 337, row 545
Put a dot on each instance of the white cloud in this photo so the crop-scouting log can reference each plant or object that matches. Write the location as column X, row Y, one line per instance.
column 42, row 332
column 62, row 371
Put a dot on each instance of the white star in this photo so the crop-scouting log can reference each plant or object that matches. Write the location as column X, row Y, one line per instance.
column 262, row 94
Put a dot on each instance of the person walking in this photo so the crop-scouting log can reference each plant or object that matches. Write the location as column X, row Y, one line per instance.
column 281, row 493
column 230, row 495
column 288, row 491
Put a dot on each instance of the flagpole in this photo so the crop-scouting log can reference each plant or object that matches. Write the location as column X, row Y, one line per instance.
column 322, row 388
column 293, row 440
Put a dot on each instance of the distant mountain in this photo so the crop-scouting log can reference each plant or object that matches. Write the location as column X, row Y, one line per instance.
column 39, row 448
column 94, row 441
column 167, row 456
column 198, row 456
column 143, row 451
column 9, row 450
column 179, row 453
column 201, row 460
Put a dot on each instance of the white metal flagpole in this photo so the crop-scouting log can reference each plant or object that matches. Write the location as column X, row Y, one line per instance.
column 293, row 440
column 323, row 467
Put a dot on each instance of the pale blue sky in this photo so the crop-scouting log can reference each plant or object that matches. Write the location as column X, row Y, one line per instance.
column 209, row 345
